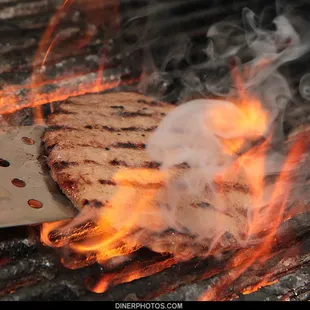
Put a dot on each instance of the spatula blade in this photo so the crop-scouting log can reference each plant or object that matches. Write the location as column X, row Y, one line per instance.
column 28, row 195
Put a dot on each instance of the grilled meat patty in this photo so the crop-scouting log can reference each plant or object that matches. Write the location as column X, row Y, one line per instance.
column 91, row 137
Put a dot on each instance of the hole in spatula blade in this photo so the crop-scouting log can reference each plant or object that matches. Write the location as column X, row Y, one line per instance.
column 28, row 140
column 36, row 204
column 4, row 163
column 18, row 183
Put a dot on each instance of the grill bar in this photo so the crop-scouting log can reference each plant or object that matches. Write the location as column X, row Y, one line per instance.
column 27, row 266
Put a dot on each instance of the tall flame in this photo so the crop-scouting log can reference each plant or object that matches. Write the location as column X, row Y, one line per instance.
column 116, row 227
column 269, row 220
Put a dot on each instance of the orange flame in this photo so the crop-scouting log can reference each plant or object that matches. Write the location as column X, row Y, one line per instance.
column 114, row 242
column 47, row 228
column 116, row 230
column 117, row 242
column 250, row 123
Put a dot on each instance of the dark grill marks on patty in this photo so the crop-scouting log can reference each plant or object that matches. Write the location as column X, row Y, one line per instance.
column 56, row 128
column 129, row 145
column 138, row 185
column 113, row 129
column 59, row 165
column 107, row 182
column 133, row 114
column 116, row 162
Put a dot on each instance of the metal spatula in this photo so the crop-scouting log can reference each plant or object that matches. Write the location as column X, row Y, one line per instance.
column 28, row 195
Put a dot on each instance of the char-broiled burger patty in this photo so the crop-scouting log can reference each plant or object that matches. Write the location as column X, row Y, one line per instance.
column 91, row 139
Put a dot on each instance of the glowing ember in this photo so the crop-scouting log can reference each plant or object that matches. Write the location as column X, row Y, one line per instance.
column 254, row 288
column 10, row 104
column 133, row 272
